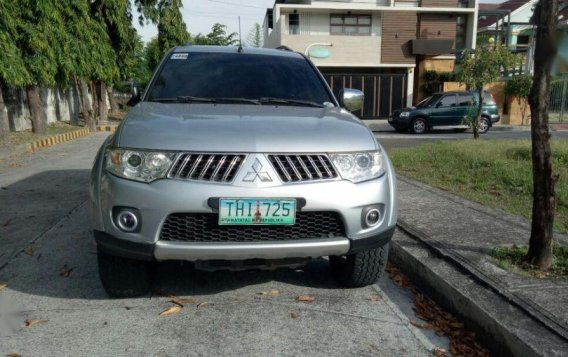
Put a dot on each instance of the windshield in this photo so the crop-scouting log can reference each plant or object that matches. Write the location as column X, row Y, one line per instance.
column 238, row 76
column 429, row 101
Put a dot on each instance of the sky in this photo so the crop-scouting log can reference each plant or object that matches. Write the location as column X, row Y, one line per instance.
column 200, row 15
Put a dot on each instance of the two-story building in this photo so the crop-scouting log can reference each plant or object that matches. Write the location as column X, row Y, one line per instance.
column 382, row 47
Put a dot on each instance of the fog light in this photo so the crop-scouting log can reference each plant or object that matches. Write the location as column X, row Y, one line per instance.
column 372, row 217
column 127, row 220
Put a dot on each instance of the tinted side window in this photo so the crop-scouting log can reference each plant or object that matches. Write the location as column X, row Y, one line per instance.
column 448, row 101
column 465, row 100
column 238, row 75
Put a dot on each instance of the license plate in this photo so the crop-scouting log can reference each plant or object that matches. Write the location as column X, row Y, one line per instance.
column 265, row 211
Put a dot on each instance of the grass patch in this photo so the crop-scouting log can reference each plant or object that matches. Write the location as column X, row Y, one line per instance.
column 496, row 173
column 512, row 258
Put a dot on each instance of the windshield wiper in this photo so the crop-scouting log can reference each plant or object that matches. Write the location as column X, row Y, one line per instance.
column 305, row 103
column 192, row 99
column 238, row 100
column 183, row 99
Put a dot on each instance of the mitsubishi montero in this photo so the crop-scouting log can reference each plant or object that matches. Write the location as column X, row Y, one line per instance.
column 241, row 158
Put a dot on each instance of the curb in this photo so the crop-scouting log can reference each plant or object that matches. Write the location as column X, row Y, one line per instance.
column 502, row 327
column 531, row 309
column 56, row 139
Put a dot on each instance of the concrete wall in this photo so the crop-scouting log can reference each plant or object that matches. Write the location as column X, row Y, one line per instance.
column 58, row 105
column 430, row 64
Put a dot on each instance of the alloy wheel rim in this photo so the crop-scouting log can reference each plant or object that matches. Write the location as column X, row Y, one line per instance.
column 419, row 125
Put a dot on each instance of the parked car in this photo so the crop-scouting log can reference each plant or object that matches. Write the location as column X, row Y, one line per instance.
column 446, row 110
column 241, row 158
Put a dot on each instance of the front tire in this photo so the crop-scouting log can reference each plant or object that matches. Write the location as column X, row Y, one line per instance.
column 123, row 277
column 419, row 126
column 484, row 125
column 360, row 269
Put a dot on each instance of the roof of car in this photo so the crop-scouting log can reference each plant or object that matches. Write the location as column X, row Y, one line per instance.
column 235, row 49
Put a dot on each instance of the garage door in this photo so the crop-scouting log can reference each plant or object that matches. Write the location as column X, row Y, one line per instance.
column 383, row 92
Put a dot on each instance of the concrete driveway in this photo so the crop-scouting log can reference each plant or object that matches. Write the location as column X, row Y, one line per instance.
column 48, row 261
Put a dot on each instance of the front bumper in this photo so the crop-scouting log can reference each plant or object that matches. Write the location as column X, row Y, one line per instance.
column 495, row 118
column 399, row 122
column 157, row 200
column 237, row 251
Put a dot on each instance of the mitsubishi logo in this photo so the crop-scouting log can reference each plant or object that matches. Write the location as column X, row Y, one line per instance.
column 256, row 173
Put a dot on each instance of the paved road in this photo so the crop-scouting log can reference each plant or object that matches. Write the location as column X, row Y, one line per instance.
column 44, row 211
column 391, row 139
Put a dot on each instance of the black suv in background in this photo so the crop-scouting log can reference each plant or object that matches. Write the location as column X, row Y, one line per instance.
column 445, row 110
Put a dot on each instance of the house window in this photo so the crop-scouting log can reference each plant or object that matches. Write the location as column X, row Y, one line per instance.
column 294, row 24
column 350, row 24
column 523, row 42
column 461, row 32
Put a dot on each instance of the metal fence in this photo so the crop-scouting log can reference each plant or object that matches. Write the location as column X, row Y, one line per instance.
column 558, row 110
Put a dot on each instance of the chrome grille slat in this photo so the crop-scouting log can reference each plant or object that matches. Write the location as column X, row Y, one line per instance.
column 208, row 167
column 194, row 167
column 231, row 165
column 315, row 166
column 302, row 167
column 183, row 165
column 281, row 165
column 293, row 166
column 324, row 165
column 218, row 168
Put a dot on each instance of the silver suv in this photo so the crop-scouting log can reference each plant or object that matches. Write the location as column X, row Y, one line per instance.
column 241, row 158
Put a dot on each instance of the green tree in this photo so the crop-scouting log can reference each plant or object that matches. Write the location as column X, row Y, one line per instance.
column 39, row 30
column 519, row 88
column 86, row 53
column 153, row 54
column 142, row 71
column 12, row 67
column 172, row 30
column 480, row 67
column 254, row 38
column 217, row 37
column 116, row 16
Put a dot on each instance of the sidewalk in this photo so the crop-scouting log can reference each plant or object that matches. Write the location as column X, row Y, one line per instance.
column 527, row 315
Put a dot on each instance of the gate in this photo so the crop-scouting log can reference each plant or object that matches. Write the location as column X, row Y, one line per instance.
column 558, row 110
column 383, row 92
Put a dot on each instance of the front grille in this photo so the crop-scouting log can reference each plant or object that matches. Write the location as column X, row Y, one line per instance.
column 295, row 168
column 206, row 167
column 203, row 227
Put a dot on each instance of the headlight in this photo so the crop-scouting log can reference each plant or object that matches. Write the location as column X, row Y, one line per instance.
column 361, row 166
column 404, row 114
column 145, row 166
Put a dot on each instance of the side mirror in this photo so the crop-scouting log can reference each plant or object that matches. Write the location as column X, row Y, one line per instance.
column 351, row 99
column 135, row 95
column 438, row 105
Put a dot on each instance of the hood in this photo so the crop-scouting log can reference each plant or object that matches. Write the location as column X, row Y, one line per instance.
column 242, row 128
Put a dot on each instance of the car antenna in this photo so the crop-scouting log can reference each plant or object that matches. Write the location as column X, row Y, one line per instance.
column 240, row 49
